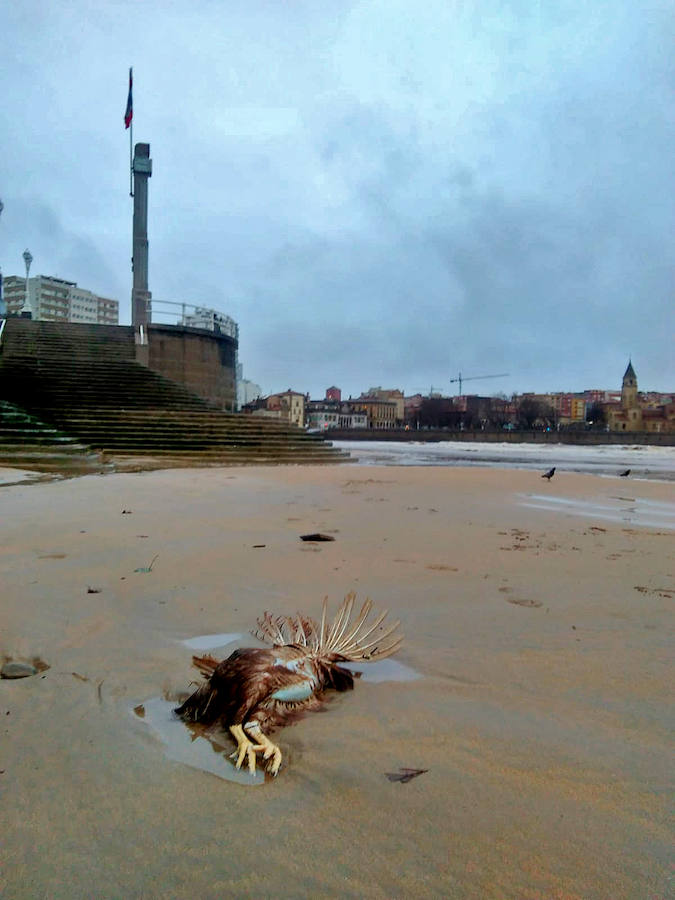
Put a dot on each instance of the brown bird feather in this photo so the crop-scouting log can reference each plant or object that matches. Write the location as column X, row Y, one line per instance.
column 256, row 690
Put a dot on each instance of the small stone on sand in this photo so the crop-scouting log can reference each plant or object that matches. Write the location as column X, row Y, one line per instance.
column 17, row 670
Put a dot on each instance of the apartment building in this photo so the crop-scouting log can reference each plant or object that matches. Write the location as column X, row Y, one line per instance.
column 568, row 407
column 379, row 413
column 53, row 299
column 324, row 414
column 288, row 405
column 393, row 395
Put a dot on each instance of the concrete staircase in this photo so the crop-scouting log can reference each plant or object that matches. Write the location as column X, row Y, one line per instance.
column 28, row 443
column 83, row 381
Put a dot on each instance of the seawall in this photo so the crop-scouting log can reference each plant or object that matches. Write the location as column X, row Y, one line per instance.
column 656, row 439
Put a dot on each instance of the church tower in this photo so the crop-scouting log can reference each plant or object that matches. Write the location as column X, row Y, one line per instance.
column 629, row 388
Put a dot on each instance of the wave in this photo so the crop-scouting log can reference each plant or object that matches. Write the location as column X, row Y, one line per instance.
column 653, row 463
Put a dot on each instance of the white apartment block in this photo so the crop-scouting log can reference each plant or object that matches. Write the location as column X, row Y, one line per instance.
column 323, row 419
column 55, row 300
column 247, row 391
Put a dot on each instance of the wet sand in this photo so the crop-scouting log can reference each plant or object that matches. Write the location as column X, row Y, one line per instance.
column 540, row 629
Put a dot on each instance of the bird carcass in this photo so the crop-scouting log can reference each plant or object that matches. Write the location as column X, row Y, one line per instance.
column 256, row 690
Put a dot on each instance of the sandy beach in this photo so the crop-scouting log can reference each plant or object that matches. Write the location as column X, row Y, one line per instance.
column 539, row 624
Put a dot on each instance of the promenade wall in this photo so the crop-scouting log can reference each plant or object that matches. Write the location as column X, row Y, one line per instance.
column 204, row 361
column 589, row 438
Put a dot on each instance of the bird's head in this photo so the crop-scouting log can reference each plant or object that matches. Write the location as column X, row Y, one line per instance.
column 294, row 659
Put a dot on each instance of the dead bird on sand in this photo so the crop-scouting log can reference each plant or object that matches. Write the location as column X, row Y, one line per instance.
column 257, row 690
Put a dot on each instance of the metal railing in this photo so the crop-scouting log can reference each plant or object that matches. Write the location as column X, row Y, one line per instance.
column 192, row 316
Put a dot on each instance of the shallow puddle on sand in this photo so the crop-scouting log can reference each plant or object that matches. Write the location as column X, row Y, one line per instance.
column 209, row 751
column 184, row 744
column 637, row 512
column 384, row 670
column 211, row 641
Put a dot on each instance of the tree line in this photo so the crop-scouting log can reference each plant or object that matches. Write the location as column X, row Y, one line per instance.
column 493, row 413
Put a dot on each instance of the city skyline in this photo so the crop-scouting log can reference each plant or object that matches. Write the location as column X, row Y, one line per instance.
column 390, row 193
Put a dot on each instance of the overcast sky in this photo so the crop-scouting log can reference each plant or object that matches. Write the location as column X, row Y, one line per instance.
column 385, row 192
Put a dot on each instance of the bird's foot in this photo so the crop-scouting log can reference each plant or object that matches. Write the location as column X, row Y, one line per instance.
column 245, row 748
column 269, row 748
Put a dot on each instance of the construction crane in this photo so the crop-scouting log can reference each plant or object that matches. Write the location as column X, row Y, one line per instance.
column 475, row 378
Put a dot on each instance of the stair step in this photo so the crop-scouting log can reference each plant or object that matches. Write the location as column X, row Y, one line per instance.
column 77, row 396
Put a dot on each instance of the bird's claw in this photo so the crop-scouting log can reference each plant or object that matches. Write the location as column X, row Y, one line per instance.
column 245, row 749
column 270, row 750
column 275, row 753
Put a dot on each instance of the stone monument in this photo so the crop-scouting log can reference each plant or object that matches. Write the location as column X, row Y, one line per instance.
column 141, row 308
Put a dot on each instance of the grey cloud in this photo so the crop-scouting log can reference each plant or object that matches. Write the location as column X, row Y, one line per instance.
column 384, row 193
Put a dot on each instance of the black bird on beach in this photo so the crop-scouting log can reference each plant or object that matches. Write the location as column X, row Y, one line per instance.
column 625, row 474
column 548, row 475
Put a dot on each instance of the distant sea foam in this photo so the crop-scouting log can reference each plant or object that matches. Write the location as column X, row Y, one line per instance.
column 653, row 463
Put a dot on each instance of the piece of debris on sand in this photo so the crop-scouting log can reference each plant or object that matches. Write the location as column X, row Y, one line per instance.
column 405, row 775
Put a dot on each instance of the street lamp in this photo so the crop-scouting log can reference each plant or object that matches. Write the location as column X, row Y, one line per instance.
column 28, row 259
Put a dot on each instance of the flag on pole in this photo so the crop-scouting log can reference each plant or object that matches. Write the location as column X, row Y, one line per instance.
column 129, row 113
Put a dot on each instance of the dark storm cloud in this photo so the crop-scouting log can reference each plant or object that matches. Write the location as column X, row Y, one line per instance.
column 379, row 192
column 67, row 249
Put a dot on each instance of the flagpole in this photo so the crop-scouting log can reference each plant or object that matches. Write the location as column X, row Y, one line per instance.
column 131, row 159
column 129, row 123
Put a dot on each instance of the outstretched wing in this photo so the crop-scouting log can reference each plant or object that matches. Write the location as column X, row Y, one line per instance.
column 342, row 640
